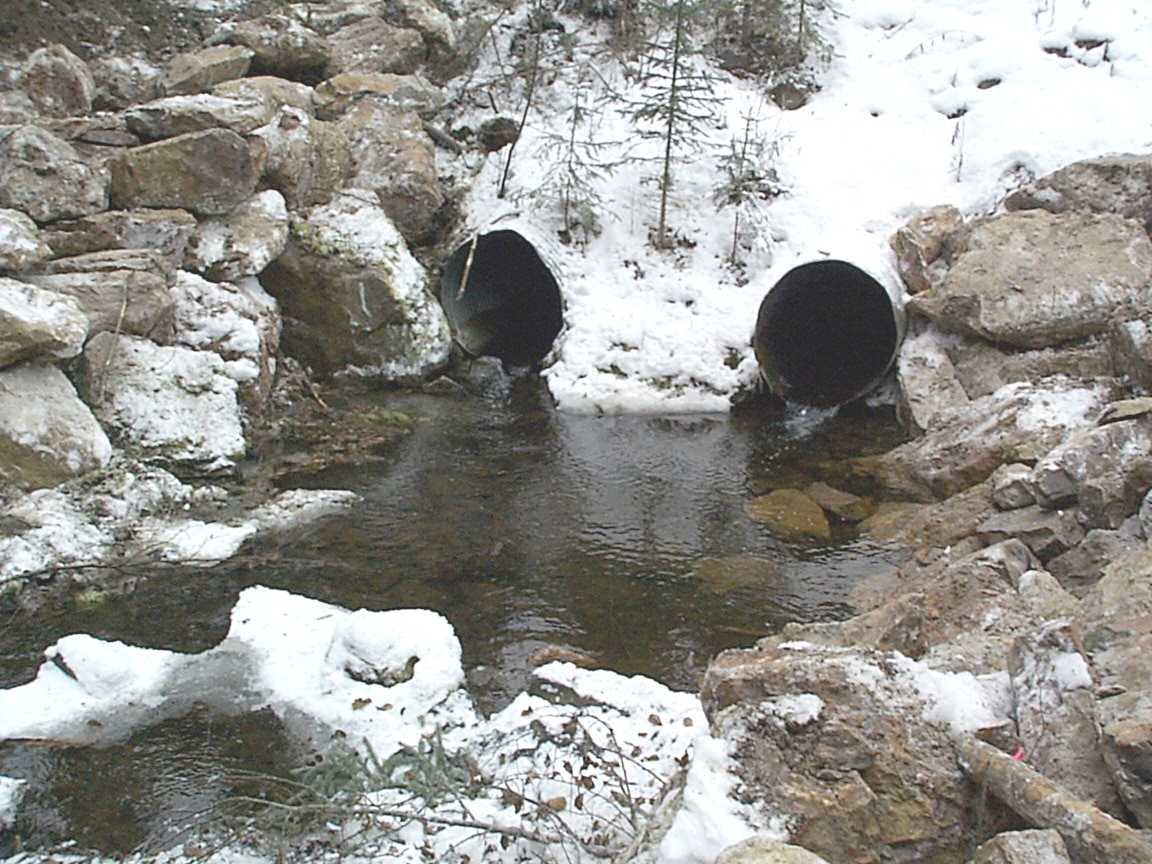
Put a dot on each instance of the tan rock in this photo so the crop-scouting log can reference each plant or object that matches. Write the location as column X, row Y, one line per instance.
column 58, row 82
column 199, row 71
column 790, row 515
column 921, row 241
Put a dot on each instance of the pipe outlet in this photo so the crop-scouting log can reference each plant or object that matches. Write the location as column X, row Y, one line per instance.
column 827, row 332
column 501, row 299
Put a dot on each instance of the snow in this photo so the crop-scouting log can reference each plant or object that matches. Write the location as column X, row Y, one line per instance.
column 669, row 331
column 11, row 790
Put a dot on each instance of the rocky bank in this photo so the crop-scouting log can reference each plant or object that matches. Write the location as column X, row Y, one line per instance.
column 173, row 227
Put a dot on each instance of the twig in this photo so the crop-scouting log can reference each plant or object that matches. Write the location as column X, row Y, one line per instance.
column 468, row 266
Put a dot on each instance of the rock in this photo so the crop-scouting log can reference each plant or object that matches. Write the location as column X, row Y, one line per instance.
column 276, row 92
column 1055, row 717
column 20, row 245
column 58, row 82
column 1127, row 746
column 1072, row 471
column 1023, row 847
column 982, row 369
column 354, row 297
column 199, row 71
column 1017, row 423
column 164, row 233
column 425, row 18
column 920, row 242
column 47, row 435
column 496, row 133
column 835, row 744
column 789, row 96
column 737, row 572
column 108, row 261
column 34, row 323
column 1131, row 351
column 373, row 45
column 282, row 47
column 790, row 515
column 308, row 160
column 1033, row 280
column 169, row 405
column 393, row 157
column 1080, row 568
column 45, row 177
column 209, row 173
column 241, row 243
column 929, row 388
column 1144, row 516
column 328, row 18
column 239, row 322
column 842, row 505
column 946, row 523
column 1012, row 487
column 338, row 94
column 762, row 850
column 1117, row 183
column 123, row 81
column 181, row 115
column 127, row 301
column 11, row 793
column 16, row 109
column 1046, row 532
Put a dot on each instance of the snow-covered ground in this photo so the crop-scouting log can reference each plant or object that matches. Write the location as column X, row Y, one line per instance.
column 663, row 331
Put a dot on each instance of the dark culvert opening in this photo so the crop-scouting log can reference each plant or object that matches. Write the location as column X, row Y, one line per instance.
column 510, row 306
column 826, row 333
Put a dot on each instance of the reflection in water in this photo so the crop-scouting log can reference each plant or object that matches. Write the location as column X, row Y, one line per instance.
column 525, row 527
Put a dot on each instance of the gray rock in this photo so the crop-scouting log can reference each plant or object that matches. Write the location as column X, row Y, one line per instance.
column 16, row 109
column 308, row 160
column 45, row 177
column 126, row 301
column 1131, row 350
column 496, row 133
column 1145, row 515
column 983, row 369
column 163, row 232
column 1011, row 487
column 34, row 323
column 276, row 92
column 180, row 115
column 47, row 435
column 20, row 245
column 393, row 157
column 199, row 71
column 353, row 296
column 1046, row 532
column 430, row 22
column 1033, row 279
column 240, row 322
column 1080, row 568
column 282, row 47
column 1117, row 183
column 1091, row 454
column 109, row 261
column 169, row 405
column 929, row 388
column 243, row 242
column 1023, row 847
column 335, row 96
column 58, row 82
column 921, row 242
column 761, row 850
column 327, row 19
column 208, row 173
column 123, row 81
column 1127, row 746
column 374, row 45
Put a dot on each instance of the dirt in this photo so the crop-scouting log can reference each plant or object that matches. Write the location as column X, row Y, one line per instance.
column 155, row 29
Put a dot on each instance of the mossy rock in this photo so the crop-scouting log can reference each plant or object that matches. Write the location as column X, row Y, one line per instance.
column 790, row 515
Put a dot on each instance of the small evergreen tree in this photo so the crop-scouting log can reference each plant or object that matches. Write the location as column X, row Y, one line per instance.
column 748, row 175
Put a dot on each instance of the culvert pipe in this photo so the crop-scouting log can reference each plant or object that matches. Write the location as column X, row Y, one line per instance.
column 827, row 331
column 501, row 299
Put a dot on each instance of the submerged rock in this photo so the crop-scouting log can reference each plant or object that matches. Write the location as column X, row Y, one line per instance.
column 47, row 435
column 790, row 515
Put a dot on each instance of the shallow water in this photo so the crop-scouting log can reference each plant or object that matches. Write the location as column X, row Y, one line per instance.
column 525, row 527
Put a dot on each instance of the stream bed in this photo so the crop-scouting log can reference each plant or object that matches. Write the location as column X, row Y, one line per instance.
column 620, row 537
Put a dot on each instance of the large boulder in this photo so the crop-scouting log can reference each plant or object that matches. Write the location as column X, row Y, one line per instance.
column 433, row 25
column 335, row 96
column 982, row 368
column 308, row 160
column 275, row 92
column 282, row 47
column 353, row 296
column 199, row 71
column 34, row 323
column 58, row 82
column 243, row 242
column 849, row 748
column 929, row 387
column 1018, row 423
column 168, row 405
column 164, row 232
column 374, row 45
column 45, row 177
column 208, row 173
column 1080, row 568
column 1117, row 183
column 393, row 157
column 47, row 435
column 1033, row 279
column 240, row 322
column 123, row 81
column 180, row 115
column 117, row 300
column 20, row 243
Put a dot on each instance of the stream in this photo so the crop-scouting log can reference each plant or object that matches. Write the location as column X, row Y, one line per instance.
column 621, row 537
